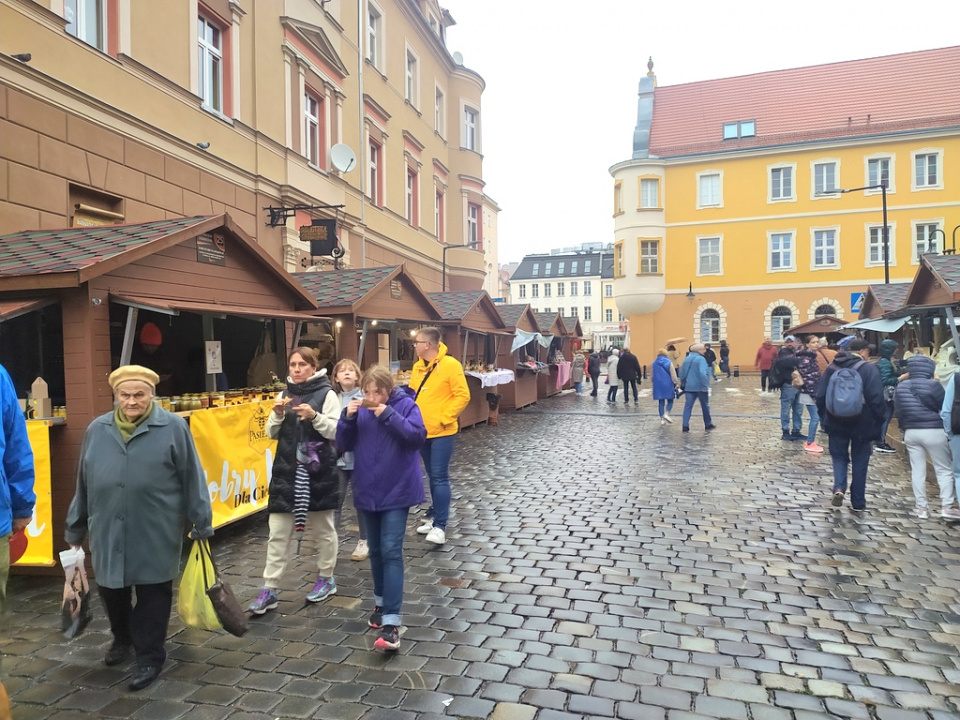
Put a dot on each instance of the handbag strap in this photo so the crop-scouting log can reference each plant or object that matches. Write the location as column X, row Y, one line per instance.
column 426, row 377
column 205, row 554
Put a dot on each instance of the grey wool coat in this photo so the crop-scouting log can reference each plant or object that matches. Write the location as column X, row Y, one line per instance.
column 137, row 499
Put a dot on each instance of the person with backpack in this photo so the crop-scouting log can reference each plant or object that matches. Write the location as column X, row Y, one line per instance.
column 918, row 402
column 851, row 408
column 889, row 376
column 781, row 378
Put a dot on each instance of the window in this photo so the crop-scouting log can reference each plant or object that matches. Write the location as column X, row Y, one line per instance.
column 618, row 198
column 709, row 326
column 573, row 287
column 560, row 311
column 560, row 267
column 586, row 267
column 473, row 226
column 560, row 289
column 547, row 289
column 649, row 193
column 574, row 311
column 439, row 112
column 587, row 312
column 311, row 129
column 375, row 188
column 742, row 129
column 781, row 183
column 926, row 170
column 781, row 251
column 708, row 190
column 210, row 55
column 536, row 269
column 439, row 213
column 86, row 20
column 535, row 290
column 824, row 310
column 875, row 244
column 573, row 268
column 878, row 171
column 470, row 120
column 608, row 290
column 523, row 291
column 548, row 268
column 649, row 257
column 618, row 259
column 708, row 252
column 546, row 309
column 824, row 177
column 926, row 239
column 374, row 34
column 824, row 248
column 586, row 287
column 780, row 320
column 412, row 80
column 413, row 197
column 608, row 315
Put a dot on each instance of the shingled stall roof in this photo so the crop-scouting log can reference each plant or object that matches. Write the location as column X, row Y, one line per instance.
column 471, row 309
column 883, row 298
column 936, row 284
column 387, row 293
column 872, row 96
column 573, row 326
column 551, row 323
column 519, row 316
column 818, row 326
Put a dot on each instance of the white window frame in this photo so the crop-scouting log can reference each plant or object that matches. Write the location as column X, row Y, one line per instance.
column 778, row 336
column 469, row 127
column 574, row 288
column 210, row 69
column 914, row 224
column 608, row 290
column 413, row 196
column 608, row 315
column 653, row 260
column 311, row 128
column 891, row 172
column 587, row 313
column 561, row 289
column 835, row 265
column 771, row 234
column 819, row 193
column 535, row 290
column 411, row 78
column 715, row 323
column 646, row 202
column 936, row 152
column 587, row 288
column 574, row 311
column 700, row 255
column 473, row 225
column 80, row 9
column 374, row 170
column 792, row 167
column 440, row 111
column 701, row 176
column 868, row 229
column 522, row 291
column 548, row 290
column 439, row 214
column 375, row 31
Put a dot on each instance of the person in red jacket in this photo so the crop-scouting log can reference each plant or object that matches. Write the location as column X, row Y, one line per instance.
column 766, row 357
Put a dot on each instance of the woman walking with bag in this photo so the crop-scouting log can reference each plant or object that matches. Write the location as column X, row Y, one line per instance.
column 665, row 385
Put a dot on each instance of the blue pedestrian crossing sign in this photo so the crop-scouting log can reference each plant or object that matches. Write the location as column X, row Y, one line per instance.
column 856, row 301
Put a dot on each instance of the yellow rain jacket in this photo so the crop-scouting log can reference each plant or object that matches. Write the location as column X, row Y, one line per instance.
column 443, row 395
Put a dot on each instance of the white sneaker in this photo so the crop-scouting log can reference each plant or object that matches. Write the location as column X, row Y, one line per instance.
column 362, row 552
column 949, row 512
column 921, row 513
column 425, row 528
column 668, row 418
column 663, row 421
column 436, row 536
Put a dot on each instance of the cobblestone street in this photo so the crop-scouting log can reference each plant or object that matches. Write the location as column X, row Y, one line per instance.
column 597, row 565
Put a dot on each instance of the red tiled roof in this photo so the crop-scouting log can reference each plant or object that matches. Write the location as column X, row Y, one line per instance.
column 878, row 95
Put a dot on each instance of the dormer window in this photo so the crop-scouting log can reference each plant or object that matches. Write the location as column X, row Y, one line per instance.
column 535, row 271
column 741, row 129
column 546, row 270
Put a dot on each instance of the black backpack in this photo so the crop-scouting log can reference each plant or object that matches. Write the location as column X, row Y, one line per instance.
column 955, row 408
column 776, row 379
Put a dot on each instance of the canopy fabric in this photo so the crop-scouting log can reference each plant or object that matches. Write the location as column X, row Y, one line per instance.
column 886, row 325
column 522, row 337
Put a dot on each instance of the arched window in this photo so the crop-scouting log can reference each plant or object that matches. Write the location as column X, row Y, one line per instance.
column 709, row 326
column 825, row 310
column 780, row 319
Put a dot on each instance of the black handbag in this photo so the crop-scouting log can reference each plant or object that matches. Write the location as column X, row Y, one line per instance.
column 229, row 612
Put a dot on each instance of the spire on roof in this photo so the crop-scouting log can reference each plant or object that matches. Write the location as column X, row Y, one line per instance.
column 650, row 66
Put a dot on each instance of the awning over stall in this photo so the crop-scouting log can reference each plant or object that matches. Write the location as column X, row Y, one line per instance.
column 169, row 306
column 884, row 325
column 9, row 309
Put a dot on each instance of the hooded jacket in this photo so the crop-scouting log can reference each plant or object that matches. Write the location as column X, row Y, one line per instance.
column 665, row 380
column 695, row 373
column 578, row 368
column 593, row 364
column 919, row 398
column 888, row 373
column 629, row 367
column 868, row 424
column 17, row 496
column 443, row 395
column 386, row 469
column 809, row 370
column 766, row 355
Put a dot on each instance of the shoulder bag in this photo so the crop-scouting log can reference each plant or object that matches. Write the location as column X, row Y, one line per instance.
column 229, row 612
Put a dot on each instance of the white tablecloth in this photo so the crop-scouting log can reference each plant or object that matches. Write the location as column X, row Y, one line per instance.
column 490, row 379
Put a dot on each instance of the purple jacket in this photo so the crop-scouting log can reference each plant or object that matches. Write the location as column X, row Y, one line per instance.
column 386, row 465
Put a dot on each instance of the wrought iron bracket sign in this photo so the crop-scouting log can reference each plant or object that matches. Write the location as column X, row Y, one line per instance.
column 279, row 215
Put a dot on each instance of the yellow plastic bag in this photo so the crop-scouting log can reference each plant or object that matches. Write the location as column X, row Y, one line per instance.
column 193, row 605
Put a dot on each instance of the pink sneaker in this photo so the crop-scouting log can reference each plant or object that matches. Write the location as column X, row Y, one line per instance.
column 812, row 447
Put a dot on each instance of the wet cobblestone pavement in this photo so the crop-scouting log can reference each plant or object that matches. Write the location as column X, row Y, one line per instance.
column 597, row 565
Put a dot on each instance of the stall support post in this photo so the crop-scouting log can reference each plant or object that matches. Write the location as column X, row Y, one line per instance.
column 129, row 335
column 953, row 329
column 295, row 339
column 210, row 381
column 363, row 342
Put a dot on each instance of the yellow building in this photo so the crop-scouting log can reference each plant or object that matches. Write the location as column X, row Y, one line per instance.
column 755, row 203
column 118, row 111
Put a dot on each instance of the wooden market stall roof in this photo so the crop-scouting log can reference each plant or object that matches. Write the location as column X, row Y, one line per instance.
column 818, row 326
column 519, row 316
column 471, row 309
column 883, row 298
column 937, row 282
column 573, row 326
column 372, row 293
column 551, row 323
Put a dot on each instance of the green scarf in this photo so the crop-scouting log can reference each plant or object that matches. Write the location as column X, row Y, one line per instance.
column 128, row 427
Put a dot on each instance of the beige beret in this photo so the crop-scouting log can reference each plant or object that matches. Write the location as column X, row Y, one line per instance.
column 133, row 372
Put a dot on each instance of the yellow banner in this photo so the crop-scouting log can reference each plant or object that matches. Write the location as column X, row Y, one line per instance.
column 40, row 530
column 237, row 457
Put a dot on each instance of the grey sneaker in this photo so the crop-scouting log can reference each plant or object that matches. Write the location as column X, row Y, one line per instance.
column 266, row 600
column 324, row 588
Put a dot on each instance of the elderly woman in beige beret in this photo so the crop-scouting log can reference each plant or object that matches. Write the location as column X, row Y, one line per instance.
column 139, row 483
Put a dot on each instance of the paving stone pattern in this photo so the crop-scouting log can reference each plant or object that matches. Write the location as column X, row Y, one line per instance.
column 597, row 565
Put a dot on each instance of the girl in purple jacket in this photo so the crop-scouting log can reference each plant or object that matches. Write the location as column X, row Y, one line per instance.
column 385, row 432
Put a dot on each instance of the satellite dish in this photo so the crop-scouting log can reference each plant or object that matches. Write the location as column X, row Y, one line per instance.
column 458, row 58
column 343, row 158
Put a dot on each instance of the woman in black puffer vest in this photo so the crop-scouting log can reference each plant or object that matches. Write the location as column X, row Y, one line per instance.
column 304, row 485
column 917, row 405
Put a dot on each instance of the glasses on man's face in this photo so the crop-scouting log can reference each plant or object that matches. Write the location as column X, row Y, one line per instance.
column 421, row 342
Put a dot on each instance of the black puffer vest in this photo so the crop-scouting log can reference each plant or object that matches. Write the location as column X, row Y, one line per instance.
column 316, row 452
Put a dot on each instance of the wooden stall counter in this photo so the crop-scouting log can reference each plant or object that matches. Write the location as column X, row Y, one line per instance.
column 481, row 385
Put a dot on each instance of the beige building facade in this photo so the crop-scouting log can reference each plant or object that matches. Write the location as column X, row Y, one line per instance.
column 114, row 111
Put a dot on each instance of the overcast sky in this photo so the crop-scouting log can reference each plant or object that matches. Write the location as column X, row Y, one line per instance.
column 561, row 84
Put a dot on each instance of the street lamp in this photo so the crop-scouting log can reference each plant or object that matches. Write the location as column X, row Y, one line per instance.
column 443, row 285
column 886, row 235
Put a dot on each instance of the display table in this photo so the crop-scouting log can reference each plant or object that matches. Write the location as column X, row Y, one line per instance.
column 563, row 375
column 478, row 409
column 522, row 391
column 549, row 384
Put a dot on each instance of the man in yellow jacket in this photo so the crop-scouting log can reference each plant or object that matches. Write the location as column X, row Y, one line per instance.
column 442, row 394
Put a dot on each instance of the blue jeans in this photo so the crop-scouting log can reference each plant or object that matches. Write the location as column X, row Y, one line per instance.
column 790, row 400
column 578, row 387
column 854, row 451
column 436, row 454
column 814, row 423
column 345, row 485
column 691, row 398
column 385, row 531
column 668, row 403
column 612, row 392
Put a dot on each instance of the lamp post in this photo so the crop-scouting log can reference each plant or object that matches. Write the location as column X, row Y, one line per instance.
column 443, row 281
column 886, row 235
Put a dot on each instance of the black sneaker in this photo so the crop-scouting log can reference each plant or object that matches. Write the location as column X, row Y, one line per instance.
column 884, row 448
column 376, row 617
column 797, row 435
column 786, row 436
column 389, row 638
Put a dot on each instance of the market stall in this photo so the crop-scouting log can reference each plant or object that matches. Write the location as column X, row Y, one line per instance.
column 828, row 326
column 376, row 313
column 521, row 355
column 473, row 332
column 195, row 299
column 553, row 330
column 572, row 343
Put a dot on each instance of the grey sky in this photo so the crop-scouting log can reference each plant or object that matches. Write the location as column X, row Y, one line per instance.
column 560, row 103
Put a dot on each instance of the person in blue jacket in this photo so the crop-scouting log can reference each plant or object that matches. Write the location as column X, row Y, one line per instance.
column 385, row 432
column 695, row 380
